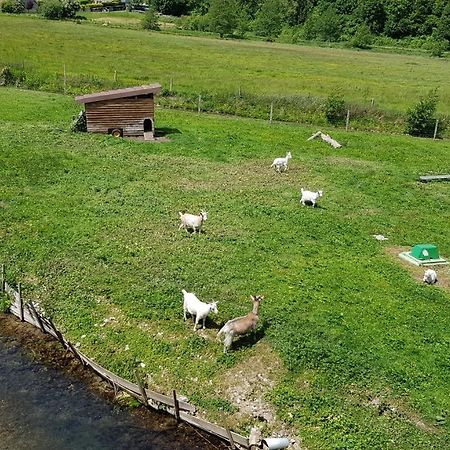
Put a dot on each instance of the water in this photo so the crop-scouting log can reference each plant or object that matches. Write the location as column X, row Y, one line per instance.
column 42, row 408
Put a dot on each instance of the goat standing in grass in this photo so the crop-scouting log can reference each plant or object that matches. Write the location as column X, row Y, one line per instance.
column 241, row 325
column 195, row 307
column 191, row 222
column 281, row 164
column 430, row 276
column 310, row 197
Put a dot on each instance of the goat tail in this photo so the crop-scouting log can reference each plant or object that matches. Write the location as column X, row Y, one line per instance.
column 180, row 213
column 183, row 291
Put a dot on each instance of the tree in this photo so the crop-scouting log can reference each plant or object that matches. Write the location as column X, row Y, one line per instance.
column 150, row 20
column 12, row 6
column 362, row 38
column 223, row 16
column 335, row 108
column 420, row 120
column 323, row 24
column 372, row 13
column 270, row 18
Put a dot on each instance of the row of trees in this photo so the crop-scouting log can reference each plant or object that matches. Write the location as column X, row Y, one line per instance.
column 329, row 20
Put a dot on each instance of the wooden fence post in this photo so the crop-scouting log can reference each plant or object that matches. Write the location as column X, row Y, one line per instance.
column 65, row 80
column 115, row 76
column 38, row 317
column 372, row 102
column 199, row 101
column 347, row 120
column 19, row 290
column 3, row 280
column 436, row 129
column 230, row 438
column 271, row 113
column 176, row 406
column 170, row 84
column 141, row 388
column 239, row 91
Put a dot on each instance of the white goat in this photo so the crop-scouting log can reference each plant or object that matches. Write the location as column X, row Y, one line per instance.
column 430, row 276
column 197, row 308
column 310, row 197
column 281, row 164
column 191, row 222
column 241, row 325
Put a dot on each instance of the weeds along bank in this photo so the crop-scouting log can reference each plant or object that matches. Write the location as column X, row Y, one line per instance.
column 232, row 77
column 353, row 349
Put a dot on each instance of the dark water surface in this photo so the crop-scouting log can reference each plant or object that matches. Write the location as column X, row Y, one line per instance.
column 41, row 408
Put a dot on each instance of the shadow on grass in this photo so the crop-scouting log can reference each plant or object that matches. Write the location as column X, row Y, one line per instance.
column 166, row 131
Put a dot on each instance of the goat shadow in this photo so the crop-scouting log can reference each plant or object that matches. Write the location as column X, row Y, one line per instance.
column 310, row 205
column 250, row 339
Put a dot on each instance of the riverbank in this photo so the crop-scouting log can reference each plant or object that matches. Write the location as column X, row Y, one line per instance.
column 50, row 401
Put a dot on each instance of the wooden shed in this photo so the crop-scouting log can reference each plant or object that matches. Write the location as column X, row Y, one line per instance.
column 122, row 112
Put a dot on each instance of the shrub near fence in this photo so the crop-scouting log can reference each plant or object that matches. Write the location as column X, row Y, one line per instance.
column 27, row 311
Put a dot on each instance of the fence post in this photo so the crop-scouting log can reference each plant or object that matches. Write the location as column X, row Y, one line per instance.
column 141, row 388
column 199, row 101
column 19, row 291
column 372, row 102
column 230, row 438
column 38, row 317
column 347, row 120
column 115, row 76
column 239, row 91
column 3, row 279
column 271, row 113
column 65, row 80
column 170, row 84
column 176, row 406
column 436, row 129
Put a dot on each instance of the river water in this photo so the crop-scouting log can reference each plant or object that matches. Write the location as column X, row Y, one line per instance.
column 42, row 408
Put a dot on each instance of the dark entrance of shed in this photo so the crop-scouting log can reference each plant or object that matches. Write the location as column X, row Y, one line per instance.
column 148, row 125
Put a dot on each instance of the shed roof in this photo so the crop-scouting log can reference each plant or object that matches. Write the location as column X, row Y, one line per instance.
column 119, row 93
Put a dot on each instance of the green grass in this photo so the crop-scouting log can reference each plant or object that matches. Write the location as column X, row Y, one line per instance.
column 90, row 228
column 93, row 53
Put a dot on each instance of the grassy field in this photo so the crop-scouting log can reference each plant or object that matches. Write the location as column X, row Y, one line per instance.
column 93, row 53
column 352, row 351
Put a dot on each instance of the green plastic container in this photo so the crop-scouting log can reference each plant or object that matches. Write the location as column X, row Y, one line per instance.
column 425, row 251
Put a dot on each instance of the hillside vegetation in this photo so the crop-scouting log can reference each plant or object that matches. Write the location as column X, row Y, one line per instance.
column 93, row 55
column 90, row 228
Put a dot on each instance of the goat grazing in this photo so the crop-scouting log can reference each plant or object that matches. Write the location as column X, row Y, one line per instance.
column 430, row 276
column 310, row 197
column 241, row 325
column 191, row 222
column 195, row 307
column 281, row 164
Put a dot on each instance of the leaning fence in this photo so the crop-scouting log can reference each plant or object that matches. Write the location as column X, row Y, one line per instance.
column 183, row 411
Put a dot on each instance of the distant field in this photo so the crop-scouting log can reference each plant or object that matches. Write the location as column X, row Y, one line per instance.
column 94, row 52
column 352, row 351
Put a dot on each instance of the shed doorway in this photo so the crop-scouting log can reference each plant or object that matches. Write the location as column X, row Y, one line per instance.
column 148, row 129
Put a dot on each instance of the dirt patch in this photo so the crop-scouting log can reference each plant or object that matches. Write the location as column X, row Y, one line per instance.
column 417, row 272
column 246, row 386
column 46, row 350
column 351, row 162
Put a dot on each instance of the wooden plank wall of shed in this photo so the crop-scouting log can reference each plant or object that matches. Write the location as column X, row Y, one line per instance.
column 125, row 113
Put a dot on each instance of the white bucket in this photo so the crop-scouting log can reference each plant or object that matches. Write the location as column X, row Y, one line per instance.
column 275, row 443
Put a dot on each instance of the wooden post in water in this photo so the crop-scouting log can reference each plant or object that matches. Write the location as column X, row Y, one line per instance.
column 436, row 129
column 199, row 101
column 347, row 120
column 176, row 406
column 3, row 281
column 19, row 290
column 271, row 113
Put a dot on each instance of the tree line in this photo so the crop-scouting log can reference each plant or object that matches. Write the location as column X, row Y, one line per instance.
column 326, row 20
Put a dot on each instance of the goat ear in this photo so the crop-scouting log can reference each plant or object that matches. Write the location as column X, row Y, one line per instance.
column 251, row 296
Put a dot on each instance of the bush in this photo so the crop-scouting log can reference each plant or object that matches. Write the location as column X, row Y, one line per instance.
column 335, row 109
column 7, row 77
column 150, row 20
column 420, row 120
column 437, row 47
column 59, row 9
column 12, row 6
column 79, row 122
column 362, row 38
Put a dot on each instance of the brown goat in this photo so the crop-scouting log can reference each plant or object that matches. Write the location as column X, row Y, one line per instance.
column 241, row 325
